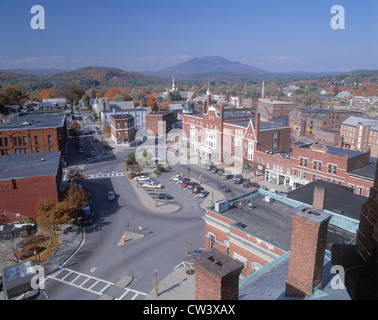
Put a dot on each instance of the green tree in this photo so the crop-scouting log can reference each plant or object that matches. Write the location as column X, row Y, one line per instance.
column 15, row 95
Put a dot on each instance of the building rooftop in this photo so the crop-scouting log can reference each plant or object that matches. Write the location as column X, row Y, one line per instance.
column 121, row 116
column 338, row 199
column 366, row 172
column 29, row 165
column 275, row 101
column 272, row 221
column 269, row 283
column 354, row 121
column 34, row 121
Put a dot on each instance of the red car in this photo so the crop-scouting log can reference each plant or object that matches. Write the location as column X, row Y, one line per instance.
column 197, row 189
column 254, row 185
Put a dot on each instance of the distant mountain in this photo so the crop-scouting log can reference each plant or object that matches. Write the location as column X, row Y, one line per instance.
column 88, row 77
column 36, row 72
column 196, row 66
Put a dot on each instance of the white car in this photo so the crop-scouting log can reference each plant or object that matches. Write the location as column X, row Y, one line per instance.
column 141, row 178
column 176, row 177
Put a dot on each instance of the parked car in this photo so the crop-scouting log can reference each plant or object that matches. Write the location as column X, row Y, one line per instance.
column 176, row 177
column 224, row 188
column 264, row 188
column 186, row 183
column 192, row 185
column 111, row 195
column 26, row 230
column 7, row 233
column 203, row 193
column 273, row 191
column 182, row 179
column 208, row 166
column 197, row 189
column 164, row 196
column 141, row 178
column 246, row 184
column 152, row 186
column 254, row 185
column 220, row 172
column 238, row 179
column 282, row 193
column 214, row 169
column 192, row 253
column 93, row 154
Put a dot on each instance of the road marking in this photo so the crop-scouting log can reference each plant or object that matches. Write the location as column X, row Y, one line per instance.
column 106, row 175
column 93, row 281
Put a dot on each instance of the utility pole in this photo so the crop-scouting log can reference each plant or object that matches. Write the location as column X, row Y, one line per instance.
column 156, row 284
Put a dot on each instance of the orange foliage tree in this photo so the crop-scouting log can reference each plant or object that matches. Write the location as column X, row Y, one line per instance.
column 112, row 92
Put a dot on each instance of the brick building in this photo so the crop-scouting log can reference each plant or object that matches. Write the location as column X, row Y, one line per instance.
column 223, row 136
column 27, row 179
column 360, row 134
column 256, row 228
column 33, row 133
column 270, row 109
column 327, row 163
column 160, row 123
column 123, row 130
column 308, row 120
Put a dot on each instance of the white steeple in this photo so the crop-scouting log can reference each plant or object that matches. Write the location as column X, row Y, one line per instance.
column 174, row 88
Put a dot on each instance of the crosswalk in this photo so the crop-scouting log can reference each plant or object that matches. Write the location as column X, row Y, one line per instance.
column 105, row 175
column 96, row 285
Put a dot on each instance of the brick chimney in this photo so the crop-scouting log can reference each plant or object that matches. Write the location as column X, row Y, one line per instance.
column 217, row 276
column 308, row 242
column 257, row 126
column 319, row 198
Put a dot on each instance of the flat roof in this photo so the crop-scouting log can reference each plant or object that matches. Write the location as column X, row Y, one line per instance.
column 33, row 120
column 338, row 199
column 272, row 221
column 29, row 165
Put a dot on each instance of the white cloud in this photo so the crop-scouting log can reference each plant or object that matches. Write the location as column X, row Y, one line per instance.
column 283, row 58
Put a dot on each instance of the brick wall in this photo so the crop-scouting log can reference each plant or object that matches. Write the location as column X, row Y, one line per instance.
column 367, row 234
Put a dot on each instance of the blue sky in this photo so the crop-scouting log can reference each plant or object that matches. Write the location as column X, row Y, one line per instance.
column 137, row 35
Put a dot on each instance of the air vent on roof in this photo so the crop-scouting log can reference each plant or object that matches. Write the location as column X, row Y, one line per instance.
column 43, row 159
column 25, row 123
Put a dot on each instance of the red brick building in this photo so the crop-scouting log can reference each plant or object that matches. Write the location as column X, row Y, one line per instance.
column 271, row 109
column 27, row 179
column 160, row 123
column 226, row 137
column 327, row 163
column 307, row 121
column 360, row 134
column 33, row 133
column 122, row 128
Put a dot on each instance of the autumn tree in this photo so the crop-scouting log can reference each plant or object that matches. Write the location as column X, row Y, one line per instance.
column 53, row 214
column 72, row 92
column 75, row 198
column 75, row 175
column 75, row 128
column 164, row 106
column 15, row 95
column 152, row 103
column 47, row 94
column 112, row 92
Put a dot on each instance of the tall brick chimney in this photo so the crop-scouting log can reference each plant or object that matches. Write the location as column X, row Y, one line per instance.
column 308, row 242
column 257, row 126
column 217, row 276
column 319, row 198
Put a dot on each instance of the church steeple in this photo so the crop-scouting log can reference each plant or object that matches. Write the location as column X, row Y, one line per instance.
column 174, row 88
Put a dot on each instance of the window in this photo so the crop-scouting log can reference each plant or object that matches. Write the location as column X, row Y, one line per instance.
column 211, row 241
column 36, row 140
column 317, row 165
column 274, row 135
column 51, row 149
column 360, row 190
column 37, row 150
column 25, row 140
column 332, row 168
column 303, row 162
column 274, row 145
column 49, row 139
